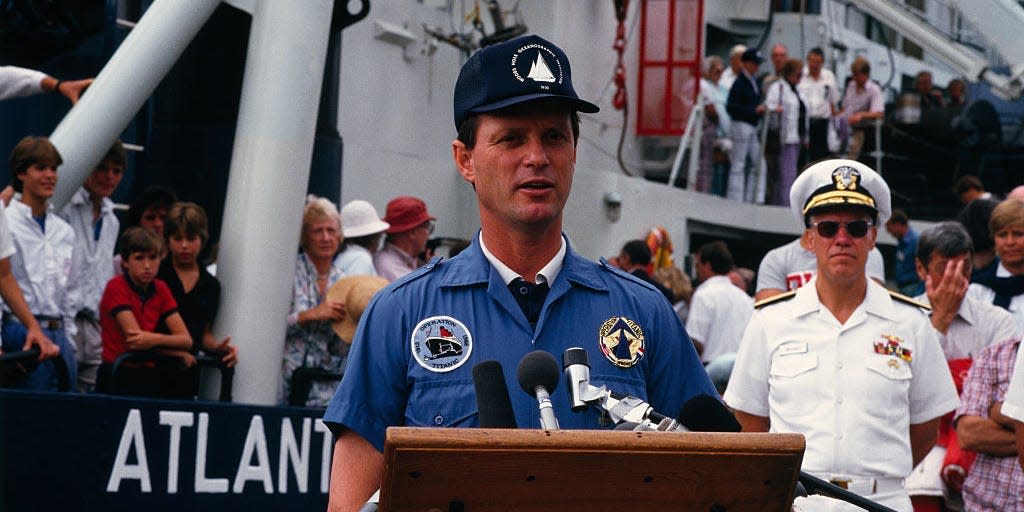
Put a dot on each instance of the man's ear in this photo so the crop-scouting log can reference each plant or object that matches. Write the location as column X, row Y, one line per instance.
column 463, row 157
column 921, row 271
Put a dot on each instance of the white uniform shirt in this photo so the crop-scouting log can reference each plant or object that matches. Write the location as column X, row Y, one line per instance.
column 45, row 264
column 834, row 383
column 791, row 266
column 780, row 93
column 987, row 295
column 819, row 95
column 975, row 326
column 356, row 260
column 1013, row 402
column 16, row 82
column 97, row 256
column 719, row 312
column 728, row 77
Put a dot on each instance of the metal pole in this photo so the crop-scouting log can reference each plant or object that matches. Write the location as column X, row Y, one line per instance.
column 268, row 177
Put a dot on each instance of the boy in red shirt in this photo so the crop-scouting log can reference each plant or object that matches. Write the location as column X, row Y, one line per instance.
column 134, row 305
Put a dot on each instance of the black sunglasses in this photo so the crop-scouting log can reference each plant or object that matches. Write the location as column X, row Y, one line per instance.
column 829, row 228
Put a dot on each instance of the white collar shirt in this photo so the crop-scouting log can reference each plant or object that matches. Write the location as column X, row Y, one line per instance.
column 719, row 312
column 975, row 326
column 547, row 274
column 780, row 94
column 97, row 254
column 819, row 94
column 852, row 389
column 45, row 264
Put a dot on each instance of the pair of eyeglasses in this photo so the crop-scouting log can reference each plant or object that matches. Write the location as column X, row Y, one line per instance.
column 429, row 226
column 855, row 228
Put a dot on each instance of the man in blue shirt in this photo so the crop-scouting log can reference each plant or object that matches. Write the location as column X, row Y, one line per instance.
column 519, row 287
column 907, row 280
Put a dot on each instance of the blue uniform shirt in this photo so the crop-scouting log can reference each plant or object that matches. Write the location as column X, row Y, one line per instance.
column 418, row 340
column 906, row 253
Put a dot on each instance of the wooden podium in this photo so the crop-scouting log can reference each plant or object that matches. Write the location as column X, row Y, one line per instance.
column 471, row 470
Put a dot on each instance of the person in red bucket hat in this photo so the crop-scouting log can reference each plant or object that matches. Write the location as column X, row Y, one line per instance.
column 411, row 227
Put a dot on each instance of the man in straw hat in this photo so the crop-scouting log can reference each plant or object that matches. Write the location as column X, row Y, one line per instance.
column 519, row 287
column 855, row 368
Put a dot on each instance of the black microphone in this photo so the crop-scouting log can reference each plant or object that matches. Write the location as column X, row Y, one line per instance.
column 705, row 413
column 492, row 400
column 538, row 376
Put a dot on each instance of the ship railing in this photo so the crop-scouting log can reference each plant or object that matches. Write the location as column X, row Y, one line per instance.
column 14, row 366
column 121, row 383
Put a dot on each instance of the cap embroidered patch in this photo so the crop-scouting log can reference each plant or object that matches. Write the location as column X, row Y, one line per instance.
column 621, row 341
column 892, row 345
column 537, row 65
column 441, row 344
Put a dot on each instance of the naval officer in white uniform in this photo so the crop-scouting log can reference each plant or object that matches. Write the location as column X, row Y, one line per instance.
column 855, row 368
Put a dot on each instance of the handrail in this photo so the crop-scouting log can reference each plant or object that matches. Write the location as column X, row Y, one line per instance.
column 204, row 361
column 32, row 355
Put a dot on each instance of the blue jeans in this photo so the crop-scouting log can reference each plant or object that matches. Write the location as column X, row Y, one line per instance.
column 44, row 378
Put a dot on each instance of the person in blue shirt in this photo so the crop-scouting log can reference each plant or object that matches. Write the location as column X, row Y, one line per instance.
column 519, row 287
column 907, row 280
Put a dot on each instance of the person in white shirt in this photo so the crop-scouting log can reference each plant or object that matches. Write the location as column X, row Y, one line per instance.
column 362, row 230
column 719, row 310
column 735, row 68
column 91, row 215
column 1003, row 284
column 820, row 92
column 855, row 369
column 45, row 262
column 784, row 101
column 16, row 82
column 862, row 101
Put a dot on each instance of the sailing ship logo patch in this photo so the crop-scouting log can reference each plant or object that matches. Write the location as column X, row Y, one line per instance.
column 621, row 341
column 537, row 64
column 441, row 344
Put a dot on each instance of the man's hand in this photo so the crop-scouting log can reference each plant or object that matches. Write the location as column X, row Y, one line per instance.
column 946, row 295
column 73, row 89
column 47, row 348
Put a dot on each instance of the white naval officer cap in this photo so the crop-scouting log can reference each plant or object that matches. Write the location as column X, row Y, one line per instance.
column 840, row 183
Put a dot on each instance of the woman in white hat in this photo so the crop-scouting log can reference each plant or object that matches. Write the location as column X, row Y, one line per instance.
column 363, row 230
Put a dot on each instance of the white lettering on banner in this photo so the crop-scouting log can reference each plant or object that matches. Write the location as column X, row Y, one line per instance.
column 255, row 440
column 131, row 437
column 325, row 456
column 175, row 420
column 204, row 484
column 293, row 450
column 290, row 451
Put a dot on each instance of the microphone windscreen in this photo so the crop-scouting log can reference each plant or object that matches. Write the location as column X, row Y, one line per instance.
column 492, row 400
column 705, row 413
column 575, row 355
column 538, row 368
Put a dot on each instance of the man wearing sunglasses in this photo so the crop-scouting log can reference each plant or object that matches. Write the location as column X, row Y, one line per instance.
column 855, row 368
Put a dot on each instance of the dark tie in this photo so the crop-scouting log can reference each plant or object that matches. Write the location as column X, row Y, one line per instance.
column 530, row 297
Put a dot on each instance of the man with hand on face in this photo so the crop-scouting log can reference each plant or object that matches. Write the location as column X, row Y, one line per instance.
column 854, row 368
column 517, row 288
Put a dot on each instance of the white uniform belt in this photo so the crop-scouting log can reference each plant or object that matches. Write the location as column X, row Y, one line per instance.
column 865, row 485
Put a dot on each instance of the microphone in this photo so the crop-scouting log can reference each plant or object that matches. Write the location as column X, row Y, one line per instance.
column 577, row 376
column 492, row 400
column 538, row 376
column 705, row 413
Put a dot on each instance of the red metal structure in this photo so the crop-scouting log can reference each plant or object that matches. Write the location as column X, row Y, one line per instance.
column 671, row 46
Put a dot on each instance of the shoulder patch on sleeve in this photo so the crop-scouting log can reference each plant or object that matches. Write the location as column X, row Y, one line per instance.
column 899, row 297
column 782, row 297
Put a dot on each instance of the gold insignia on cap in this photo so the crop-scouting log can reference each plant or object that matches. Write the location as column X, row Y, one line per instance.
column 846, row 178
column 844, row 189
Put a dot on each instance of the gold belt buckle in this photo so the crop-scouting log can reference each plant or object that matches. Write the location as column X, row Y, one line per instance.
column 841, row 483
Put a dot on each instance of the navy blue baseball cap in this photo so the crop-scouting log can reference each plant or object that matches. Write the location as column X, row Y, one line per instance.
column 522, row 69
